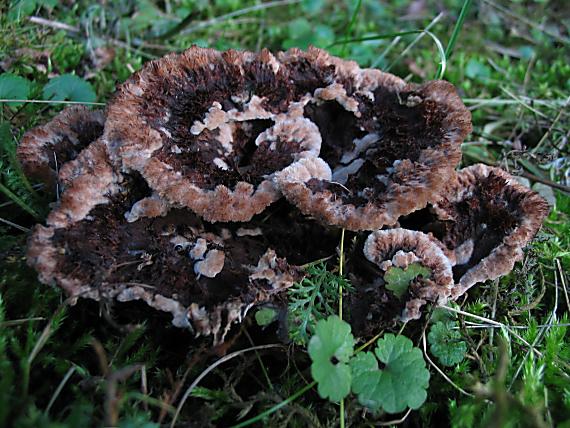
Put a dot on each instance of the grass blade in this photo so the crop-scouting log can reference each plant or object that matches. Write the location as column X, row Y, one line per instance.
column 454, row 36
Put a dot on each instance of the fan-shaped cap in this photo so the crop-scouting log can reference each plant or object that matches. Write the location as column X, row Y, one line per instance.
column 486, row 220
column 45, row 149
column 99, row 245
column 392, row 148
column 208, row 130
column 401, row 248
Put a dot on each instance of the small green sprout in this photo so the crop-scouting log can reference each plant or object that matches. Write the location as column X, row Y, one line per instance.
column 265, row 316
column 398, row 279
column 446, row 344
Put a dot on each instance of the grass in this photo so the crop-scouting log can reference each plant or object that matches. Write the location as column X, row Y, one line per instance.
column 92, row 364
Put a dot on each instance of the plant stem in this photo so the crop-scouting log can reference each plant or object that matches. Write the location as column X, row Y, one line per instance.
column 19, row 201
column 340, row 273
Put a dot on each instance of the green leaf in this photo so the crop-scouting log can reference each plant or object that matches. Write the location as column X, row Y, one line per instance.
column 14, row 87
column 477, row 70
column 312, row 6
column 446, row 344
column 313, row 299
column 265, row 316
column 398, row 279
column 330, row 350
column 405, row 377
column 69, row 87
column 365, row 379
column 401, row 383
column 21, row 8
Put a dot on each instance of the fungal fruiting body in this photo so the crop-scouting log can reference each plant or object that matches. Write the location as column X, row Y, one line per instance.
column 218, row 174
column 44, row 149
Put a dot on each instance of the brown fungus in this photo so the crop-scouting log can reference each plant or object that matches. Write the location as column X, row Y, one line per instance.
column 196, row 142
column 400, row 249
column 45, row 149
column 390, row 152
column 208, row 130
column 484, row 222
column 205, row 275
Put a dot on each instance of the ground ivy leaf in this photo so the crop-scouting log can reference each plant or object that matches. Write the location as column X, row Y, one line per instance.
column 365, row 379
column 404, row 378
column 446, row 344
column 69, row 87
column 398, row 279
column 330, row 350
column 14, row 87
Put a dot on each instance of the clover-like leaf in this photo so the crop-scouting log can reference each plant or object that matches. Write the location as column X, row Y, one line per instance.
column 404, row 377
column 398, row 279
column 14, row 87
column 330, row 350
column 69, row 87
column 445, row 343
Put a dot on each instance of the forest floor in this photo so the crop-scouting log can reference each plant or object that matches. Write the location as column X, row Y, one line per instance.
column 94, row 364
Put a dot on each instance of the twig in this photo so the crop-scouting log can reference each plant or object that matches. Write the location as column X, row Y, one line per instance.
column 12, row 323
column 62, row 26
column 551, row 127
column 14, row 225
column 499, row 324
column 396, row 421
column 545, row 181
column 53, row 24
column 111, row 399
column 523, row 103
column 563, row 280
column 528, row 22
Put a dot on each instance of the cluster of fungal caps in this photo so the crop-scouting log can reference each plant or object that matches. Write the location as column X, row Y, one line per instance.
column 212, row 177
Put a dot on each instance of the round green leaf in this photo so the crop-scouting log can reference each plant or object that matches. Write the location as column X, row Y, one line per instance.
column 14, row 87
column 365, row 379
column 265, row 316
column 69, row 87
column 405, row 378
column 330, row 350
column 398, row 279
column 446, row 344
column 21, row 8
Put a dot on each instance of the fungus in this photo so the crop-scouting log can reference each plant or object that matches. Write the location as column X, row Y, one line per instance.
column 238, row 119
column 178, row 201
column 412, row 264
column 484, row 222
column 44, row 149
column 390, row 157
column 174, row 262
column 215, row 145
